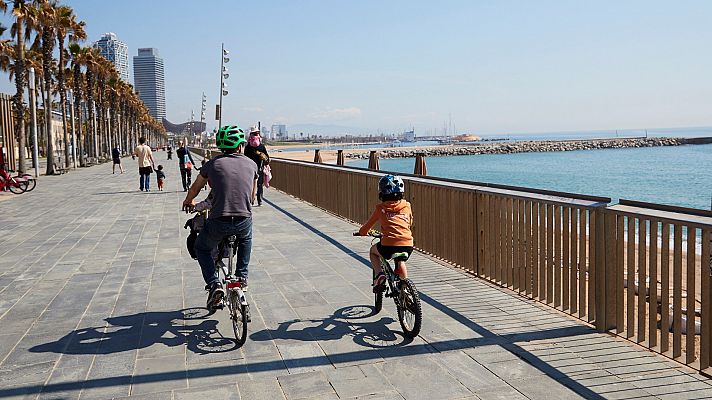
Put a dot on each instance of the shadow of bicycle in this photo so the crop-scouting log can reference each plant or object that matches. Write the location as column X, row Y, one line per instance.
column 188, row 327
column 347, row 321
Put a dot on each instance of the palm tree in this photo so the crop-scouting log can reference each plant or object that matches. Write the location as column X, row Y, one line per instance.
column 66, row 24
column 46, row 14
column 19, row 11
column 78, row 55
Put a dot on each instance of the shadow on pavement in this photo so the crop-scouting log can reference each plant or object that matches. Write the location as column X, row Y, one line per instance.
column 137, row 331
column 344, row 322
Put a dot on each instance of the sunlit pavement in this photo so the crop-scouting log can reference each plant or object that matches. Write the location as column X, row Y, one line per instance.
column 99, row 299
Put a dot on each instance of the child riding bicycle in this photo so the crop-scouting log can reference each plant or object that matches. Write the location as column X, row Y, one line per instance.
column 395, row 216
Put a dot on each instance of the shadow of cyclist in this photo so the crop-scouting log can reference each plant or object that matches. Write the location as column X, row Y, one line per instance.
column 137, row 331
column 346, row 321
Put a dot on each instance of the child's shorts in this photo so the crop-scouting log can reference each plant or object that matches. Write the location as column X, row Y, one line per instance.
column 388, row 251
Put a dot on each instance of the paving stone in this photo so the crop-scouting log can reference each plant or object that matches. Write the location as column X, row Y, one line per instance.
column 407, row 376
column 305, row 385
column 213, row 392
column 259, row 389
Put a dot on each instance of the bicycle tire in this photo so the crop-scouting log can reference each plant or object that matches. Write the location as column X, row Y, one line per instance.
column 31, row 182
column 408, row 302
column 237, row 315
column 20, row 188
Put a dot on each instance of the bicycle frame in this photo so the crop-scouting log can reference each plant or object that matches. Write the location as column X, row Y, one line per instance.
column 230, row 281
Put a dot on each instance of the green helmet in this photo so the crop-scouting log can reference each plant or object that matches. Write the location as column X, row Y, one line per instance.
column 230, row 137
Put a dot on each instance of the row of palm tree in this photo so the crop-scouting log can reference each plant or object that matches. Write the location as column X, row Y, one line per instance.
column 107, row 111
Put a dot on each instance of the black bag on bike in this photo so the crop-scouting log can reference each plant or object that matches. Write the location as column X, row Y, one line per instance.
column 196, row 225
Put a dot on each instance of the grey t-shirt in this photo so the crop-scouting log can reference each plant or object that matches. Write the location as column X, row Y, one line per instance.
column 231, row 178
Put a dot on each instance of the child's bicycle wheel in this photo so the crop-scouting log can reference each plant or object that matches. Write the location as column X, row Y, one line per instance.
column 410, row 314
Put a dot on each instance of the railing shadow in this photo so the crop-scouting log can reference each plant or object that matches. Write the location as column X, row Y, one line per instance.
column 142, row 330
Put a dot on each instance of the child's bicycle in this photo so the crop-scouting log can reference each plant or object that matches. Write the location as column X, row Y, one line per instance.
column 403, row 292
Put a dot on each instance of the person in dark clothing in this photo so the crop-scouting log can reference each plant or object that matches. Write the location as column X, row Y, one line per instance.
column 116, row 157
column 256, row 151
column 184, row 158
column 170, row 152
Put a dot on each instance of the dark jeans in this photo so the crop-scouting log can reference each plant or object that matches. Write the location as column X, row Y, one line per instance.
column 185, row 177
column 145, row 179
column 213, row 232
column 260, row 182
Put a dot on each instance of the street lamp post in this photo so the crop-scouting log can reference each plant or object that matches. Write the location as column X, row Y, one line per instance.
column 74, row 133
column 223, row 75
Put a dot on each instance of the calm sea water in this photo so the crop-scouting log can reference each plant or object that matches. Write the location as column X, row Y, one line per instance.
column 680, row 175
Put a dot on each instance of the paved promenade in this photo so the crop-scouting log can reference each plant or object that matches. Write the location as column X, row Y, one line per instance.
column 99, row 300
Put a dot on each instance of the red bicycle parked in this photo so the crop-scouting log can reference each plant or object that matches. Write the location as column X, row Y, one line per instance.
column 16, row 184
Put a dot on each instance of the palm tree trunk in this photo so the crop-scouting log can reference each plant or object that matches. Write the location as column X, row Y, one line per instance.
column 19, row 107
column 63, row 101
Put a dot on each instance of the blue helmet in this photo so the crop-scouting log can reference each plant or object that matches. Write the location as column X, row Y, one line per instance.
column 390, row 184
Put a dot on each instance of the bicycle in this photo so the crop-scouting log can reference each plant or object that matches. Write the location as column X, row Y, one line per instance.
column 234, row 298
column 403, row 292
column 22, row 183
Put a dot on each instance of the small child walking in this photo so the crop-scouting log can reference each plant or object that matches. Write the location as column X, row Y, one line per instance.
column 395, row 216
column 161, row 177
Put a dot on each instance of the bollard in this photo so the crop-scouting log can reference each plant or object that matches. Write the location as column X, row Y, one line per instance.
column 317, row 156
column 420, row 167
column 340, row 158
column 373, row 161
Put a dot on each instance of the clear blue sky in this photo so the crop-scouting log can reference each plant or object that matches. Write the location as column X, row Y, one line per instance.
column 497, row 66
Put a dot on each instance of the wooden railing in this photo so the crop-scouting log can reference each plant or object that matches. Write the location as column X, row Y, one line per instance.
column 569, row 251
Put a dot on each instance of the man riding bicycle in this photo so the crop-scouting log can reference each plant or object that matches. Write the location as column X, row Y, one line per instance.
column 233, row 179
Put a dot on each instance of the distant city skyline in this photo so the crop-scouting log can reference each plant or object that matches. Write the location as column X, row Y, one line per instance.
column 503, row 67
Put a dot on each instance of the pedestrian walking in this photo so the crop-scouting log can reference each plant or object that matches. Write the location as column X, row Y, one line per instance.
column 257, row 152
column 145, row 163
column 161, row 176
column 186, row 164
column 170, row 152
column 116, row 156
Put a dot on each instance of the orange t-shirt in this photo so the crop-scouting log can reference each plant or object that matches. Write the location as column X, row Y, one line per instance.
column 396, row 219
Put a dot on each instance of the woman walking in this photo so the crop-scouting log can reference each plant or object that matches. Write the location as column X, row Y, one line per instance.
column 256, row 151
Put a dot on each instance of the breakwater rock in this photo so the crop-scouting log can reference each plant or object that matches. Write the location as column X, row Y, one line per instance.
column 523, row 147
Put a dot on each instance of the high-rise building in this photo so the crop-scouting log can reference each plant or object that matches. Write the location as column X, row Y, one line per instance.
column 115, row 51
column 149, row 81
column 279, row 131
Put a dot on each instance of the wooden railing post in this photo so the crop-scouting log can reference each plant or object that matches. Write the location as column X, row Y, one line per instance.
column 606, row 263
column 373, row 161
column 420, row 167
column 317, row 156
column 340, row 157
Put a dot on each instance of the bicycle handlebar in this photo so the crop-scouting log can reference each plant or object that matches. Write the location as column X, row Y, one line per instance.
column 371, row 232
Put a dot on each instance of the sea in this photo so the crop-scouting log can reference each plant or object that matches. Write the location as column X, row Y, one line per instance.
column 677, row 175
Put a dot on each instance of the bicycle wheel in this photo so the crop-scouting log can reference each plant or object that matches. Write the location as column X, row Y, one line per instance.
column 17, row 187
column 237, row 315
column 31, row 182
column 410, row 314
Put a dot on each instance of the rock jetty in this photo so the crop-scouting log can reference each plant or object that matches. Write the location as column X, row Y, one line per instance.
column 523, row 147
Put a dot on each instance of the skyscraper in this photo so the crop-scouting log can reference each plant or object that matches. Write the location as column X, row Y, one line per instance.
column 149, row 81
column 115, row 51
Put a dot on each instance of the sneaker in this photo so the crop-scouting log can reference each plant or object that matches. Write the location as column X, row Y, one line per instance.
column 243, row 284
column 215, row 295
column 379, row 281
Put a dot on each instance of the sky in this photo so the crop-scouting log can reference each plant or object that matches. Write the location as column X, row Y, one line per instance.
column 493, row 66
